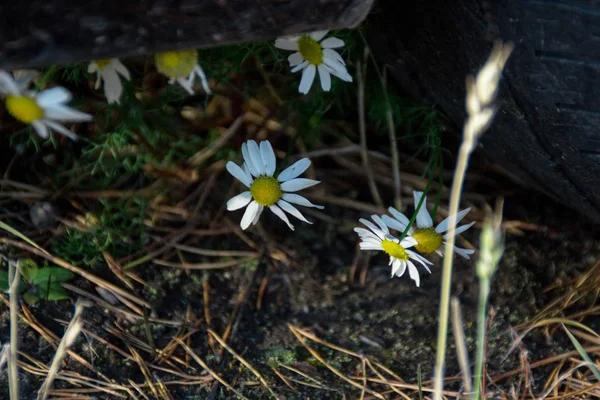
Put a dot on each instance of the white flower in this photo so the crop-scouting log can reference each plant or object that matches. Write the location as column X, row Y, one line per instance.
column 379, row 238
column 41, row 110
column 265, row 191
column 312, row 55
column 108, row 71
column 428, row 238
column 183, row 67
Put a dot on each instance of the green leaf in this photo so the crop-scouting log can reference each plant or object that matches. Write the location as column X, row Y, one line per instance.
column 57, row 292
column 28, row 268
column 51, row 275
column 31, row 297
column 4, row 286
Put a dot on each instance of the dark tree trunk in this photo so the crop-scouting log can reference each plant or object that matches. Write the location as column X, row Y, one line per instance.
column 40, row 33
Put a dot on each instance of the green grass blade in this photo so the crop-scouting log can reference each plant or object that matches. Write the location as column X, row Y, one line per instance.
column 583, row 353
column 18, row 234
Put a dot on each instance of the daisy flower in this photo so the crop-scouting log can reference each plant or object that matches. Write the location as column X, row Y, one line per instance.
column 379, row 238
column 108, row 71
column 183, row 67
column 429, row 239
column 266, row 191
column 41, row 110
column 313, row 54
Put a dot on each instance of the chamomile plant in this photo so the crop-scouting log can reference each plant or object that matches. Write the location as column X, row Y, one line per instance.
column 314, row 53
column 182, row 67
column 109, row 73
column 429, row 238
column 264, row 190
column 42, row 110
column 378, row 237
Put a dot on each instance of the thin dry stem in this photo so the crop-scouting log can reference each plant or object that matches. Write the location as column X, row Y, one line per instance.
column 13, row 372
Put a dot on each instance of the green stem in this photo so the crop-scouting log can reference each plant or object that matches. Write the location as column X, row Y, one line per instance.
column 484, row 292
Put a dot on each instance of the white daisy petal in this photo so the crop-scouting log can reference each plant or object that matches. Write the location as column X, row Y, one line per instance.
column 465, row 253
column 248, row 174
column 445, row 224
column 369, row 246
column 395, row 266
column 290, row 209
column 54, row 96
column 298, row 184
column 239, row 201
column 324, row 77
column 187, row 84
column 297, row 199
column 55, row 126
column 238, row 173
column 333, row 55
column 112, row 87
column 66, row 113
column 372, row 227
column 249, row 215
column 332, row 43
column 401, row 268
column 380, row 223
column 279, row 212
column 249, row 161
column 365, row 234
column 295, row 59
column 92, row 67
column 121, row 69
column 41, row 129
column 460, row 229
column 408, row 241
column 318, row 35
column 294, row 170
column 7, row 84
column 300, row 66
column 423, row 217
column 401, row 218
column 254, row 153
column 268, row 157
column 420, row 259
column 258, row 213
column 203, row 80
column 308, row 76
column 414, row 273
column 392, row 223
column 286, row 44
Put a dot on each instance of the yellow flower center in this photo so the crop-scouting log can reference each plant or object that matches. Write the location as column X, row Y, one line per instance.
column 311, row 50
column 24, row 109
column 266, row 190
column 102, row 63
column 428, row 240
column 394, row 249
column 176, row 64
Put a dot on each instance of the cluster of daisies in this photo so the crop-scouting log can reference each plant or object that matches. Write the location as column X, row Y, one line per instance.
column 45, row 110
column 313, row 53
column 277, row 194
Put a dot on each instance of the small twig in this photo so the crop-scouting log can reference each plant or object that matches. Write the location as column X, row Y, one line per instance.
column 211, row 149
column 363, row 134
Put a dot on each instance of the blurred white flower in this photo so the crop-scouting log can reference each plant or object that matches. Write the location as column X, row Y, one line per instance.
column 429, row 239
column 379, row 238
column 108, row 71
column 182, row 67
column 266, row 191
column 41, row 110
column 313, row 54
